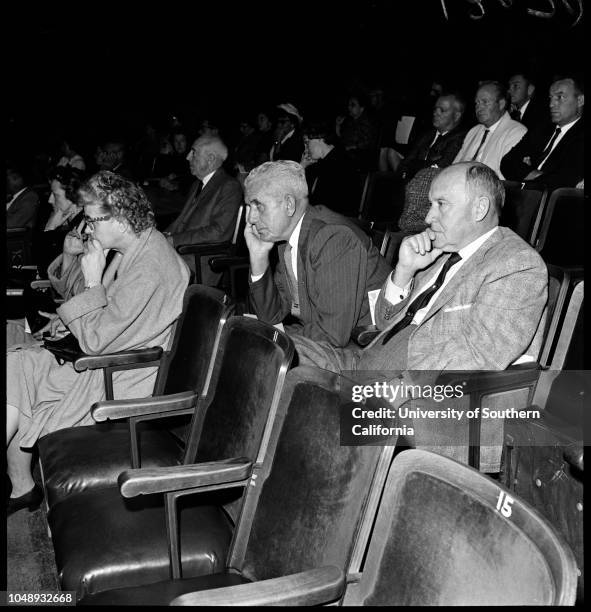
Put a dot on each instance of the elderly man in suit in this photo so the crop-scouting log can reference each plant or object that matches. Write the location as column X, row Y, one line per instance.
column 210, row 212
column 554, row 156
column 466, row 294
column 326, row 265
column 22, row 202
column 439, row 145
column 496, row 133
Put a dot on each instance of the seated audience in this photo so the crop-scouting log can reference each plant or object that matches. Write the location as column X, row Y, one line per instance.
column 496, row 133
column 465, row 293
column 326, row 264
column 111, row 156
column 209, row 214
column 526, row 107
column 288, row 142
column 69, row 156
column 21, row 201
column 267, row 137
column 135, row 309
column 245, row 151
column 439, row 145
column 332, row 179
column 66, row 215
column 358, row 133
column 554, row 156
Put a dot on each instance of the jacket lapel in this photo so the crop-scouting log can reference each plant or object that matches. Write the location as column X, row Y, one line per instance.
column 451, row 288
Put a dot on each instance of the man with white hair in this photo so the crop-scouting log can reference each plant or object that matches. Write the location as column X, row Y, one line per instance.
column 209, row 214
column 326, row 264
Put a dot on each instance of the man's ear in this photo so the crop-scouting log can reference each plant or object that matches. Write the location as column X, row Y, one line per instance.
column 481, row 207
column 530, row 90
column 290, row 204
column 503, row 104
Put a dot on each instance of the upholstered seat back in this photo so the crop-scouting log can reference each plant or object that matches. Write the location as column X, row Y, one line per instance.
column 204, row 310
column 523, row 209
column 312, row 501
column 447, row 535
column 247, row 378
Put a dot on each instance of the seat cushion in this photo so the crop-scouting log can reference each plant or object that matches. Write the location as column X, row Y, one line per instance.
column 104, row 541
column 79, row 458
column 161, row 593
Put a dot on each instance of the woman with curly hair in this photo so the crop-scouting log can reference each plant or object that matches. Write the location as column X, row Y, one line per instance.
column 130, row 305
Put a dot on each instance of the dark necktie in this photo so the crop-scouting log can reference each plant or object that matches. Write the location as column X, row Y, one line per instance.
column 549, row 146
column 431, row 146
column 480, row 145
column 423, row 299
column 293, row 283
column 516, row 114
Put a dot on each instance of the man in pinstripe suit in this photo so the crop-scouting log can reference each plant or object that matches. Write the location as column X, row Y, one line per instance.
column 326, row 265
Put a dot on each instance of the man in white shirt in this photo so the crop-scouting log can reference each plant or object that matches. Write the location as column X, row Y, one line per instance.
column 496, row 133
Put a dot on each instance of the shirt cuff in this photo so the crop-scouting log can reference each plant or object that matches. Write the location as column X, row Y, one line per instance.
column 395, row 294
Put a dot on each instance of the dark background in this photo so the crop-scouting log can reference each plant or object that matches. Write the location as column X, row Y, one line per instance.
column 99, row 67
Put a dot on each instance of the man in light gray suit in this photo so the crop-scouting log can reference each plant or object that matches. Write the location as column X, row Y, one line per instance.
column 466, row 294
column 486, row 312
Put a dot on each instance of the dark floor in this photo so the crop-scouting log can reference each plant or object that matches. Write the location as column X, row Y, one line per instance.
column 29, row 552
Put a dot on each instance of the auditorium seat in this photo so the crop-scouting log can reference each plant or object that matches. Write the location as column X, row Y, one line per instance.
column 444, row 535
column 523, row 209
column 310, row 502
column 103, row 541
column 80, row 458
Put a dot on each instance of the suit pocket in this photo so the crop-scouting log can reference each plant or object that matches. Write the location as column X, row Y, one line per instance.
column 454, row 308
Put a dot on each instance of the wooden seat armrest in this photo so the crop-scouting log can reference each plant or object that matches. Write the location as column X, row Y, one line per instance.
column 40, row 284
column 122, row 409
column 515, row 377
column 204, row 248
column 122, row 358
column 221, row 263
column 310, row 588
column 364, row 334
column 146, row 481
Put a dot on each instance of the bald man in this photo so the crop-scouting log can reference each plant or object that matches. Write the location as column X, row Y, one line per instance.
column 209, row 214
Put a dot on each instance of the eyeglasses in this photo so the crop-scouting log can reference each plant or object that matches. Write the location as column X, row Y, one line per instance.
column 90, row 221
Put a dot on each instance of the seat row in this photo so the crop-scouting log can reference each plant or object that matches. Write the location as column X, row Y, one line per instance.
column 234, row 474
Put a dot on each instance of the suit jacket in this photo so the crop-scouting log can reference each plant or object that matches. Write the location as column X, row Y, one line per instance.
column 337, row 265
column 209, row 218
column 564, row 166
column 292, row 148
column 489, row 314
column 506, row 135
column 23, row 210
column 537, row 115
column 442, row 153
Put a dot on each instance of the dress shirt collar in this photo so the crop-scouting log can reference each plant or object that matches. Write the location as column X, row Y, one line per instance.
column 14, row 197
column 288, row 135
column 207, row 177
column 565, row 128
column 494, row 126
column 295, row 235
column 471, row 248
column 523, row 107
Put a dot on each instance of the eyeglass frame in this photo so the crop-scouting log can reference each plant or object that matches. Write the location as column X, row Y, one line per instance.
column 90, row 221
